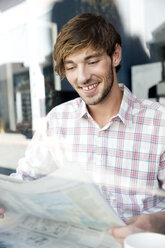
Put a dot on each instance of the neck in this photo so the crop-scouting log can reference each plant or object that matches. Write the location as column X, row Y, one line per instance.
column 108, row 108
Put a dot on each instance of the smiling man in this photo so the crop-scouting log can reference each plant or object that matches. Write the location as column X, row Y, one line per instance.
column 127, row 133
column 93, row 76
column 107, row 129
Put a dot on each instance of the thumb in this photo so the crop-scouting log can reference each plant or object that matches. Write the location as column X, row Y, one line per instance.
column 119, row 232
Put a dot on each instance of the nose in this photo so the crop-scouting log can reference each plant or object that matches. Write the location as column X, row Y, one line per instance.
column 83, row 74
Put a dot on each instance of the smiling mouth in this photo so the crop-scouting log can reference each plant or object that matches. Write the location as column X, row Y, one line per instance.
column 90, row 87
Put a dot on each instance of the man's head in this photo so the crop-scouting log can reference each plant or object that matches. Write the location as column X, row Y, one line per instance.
column 83, row 31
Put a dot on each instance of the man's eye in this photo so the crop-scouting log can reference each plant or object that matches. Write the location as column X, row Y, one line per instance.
column 93, row 62
column 69, row 68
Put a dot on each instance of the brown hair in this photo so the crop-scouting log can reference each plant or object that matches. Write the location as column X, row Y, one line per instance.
column 82, row 31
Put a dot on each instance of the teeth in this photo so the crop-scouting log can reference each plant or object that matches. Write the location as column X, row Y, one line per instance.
column 90, row 87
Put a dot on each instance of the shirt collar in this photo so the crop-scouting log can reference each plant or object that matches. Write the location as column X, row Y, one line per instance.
column 126, row 107
column 82, row 109
column 125, row 111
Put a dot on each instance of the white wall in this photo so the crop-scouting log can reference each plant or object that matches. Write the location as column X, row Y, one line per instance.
column 144, row 77
column 141, row 17
column 25, row 37
column 14, row 32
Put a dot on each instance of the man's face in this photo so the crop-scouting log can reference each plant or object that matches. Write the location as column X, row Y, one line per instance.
column 90, row 73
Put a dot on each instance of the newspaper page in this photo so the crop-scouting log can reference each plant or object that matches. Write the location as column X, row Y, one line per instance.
column 63, row 209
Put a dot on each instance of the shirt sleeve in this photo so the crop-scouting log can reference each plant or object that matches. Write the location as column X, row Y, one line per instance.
column 161, row 173
column 38, row 160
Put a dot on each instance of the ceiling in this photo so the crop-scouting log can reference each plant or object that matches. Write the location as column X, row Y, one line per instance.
column 7, row 4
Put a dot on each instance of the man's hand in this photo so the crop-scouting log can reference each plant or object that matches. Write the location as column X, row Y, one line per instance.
column 142, row 223
column 2, row 211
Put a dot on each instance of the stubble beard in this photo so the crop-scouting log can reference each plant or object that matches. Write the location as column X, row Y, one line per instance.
column 109, row 78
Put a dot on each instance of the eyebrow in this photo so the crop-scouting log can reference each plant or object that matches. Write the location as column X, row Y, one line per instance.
column 95, row 55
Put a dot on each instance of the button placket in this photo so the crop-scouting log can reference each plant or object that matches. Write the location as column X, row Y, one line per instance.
column 99, row 157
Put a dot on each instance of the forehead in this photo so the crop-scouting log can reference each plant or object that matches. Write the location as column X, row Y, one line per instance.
column 83, row 54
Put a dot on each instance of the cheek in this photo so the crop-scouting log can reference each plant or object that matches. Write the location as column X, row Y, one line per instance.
column 69, row 77
column 102, row 69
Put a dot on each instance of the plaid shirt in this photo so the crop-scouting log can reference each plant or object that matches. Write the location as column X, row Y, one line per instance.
column 125, row 158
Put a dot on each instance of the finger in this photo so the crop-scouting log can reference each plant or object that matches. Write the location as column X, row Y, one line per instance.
column 1, row 216
column 2, row 210
column 120, row 234
column 123, row 232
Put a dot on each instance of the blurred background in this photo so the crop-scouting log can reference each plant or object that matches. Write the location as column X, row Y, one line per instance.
column 29, row 87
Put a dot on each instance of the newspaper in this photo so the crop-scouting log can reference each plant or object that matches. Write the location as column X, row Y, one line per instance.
column 63, row 209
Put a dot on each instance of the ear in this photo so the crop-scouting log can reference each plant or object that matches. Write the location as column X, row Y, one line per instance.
column 116, row 57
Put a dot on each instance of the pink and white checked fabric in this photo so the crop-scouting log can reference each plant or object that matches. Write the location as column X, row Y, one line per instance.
column 125, row 158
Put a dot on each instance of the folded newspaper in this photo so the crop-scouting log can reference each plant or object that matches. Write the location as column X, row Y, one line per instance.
column 63, row 209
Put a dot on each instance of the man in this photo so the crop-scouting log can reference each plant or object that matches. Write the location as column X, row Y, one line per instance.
column 118, row 138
